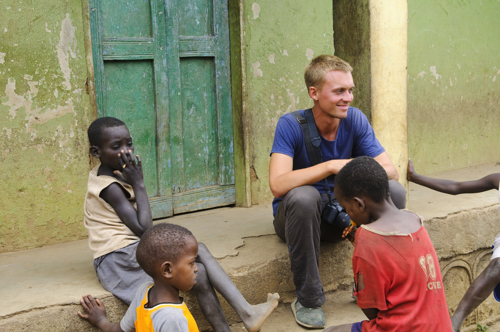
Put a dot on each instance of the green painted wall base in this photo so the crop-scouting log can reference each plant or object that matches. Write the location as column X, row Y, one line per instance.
column 44, row 115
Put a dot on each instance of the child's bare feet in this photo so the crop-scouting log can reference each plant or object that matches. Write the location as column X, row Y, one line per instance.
column 260, row 313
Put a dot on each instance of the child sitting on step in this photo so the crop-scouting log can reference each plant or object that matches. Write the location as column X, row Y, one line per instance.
column 167, row 253
column 396, row 269
column 489, row 280
column 116, row 215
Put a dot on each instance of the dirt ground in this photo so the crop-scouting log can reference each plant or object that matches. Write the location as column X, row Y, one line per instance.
column 339, row 309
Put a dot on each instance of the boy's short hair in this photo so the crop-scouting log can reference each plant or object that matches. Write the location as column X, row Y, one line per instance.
column 363, row 176
column 315, row 72
column 162, row 242
column 97, row 127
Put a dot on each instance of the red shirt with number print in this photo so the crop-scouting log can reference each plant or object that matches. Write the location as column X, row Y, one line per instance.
column 402, row 280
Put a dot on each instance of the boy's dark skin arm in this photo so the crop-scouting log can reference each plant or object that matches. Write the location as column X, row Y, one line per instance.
column 137, row 220
column 96, row 315
column 484, row 285
column 370, row 313
column 453, row 187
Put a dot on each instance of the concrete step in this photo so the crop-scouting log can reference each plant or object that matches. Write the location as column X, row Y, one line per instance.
column 44, row 285
column 339, row 308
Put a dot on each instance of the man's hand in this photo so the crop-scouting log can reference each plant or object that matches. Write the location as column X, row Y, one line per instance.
column 282, row 177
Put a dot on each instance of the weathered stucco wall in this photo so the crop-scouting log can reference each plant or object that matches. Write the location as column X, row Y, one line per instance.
column 388, row 45
column 279, row 40
column 352, row 37
column 453, row 83
column 44, row 113
column 372, row 36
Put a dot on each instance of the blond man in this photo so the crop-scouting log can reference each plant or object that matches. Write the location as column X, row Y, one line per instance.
column 299, row 187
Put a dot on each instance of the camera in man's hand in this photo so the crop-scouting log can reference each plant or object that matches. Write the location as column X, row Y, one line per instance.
column 335, row 215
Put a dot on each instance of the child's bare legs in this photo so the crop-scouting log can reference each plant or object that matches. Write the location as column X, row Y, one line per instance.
column 480, row 289
column 252, row 315
column 340, row 328
column 208, row 301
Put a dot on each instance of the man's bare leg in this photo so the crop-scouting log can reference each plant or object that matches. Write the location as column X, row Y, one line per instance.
column 480, row 289
column 252, row 315
column 339, row 328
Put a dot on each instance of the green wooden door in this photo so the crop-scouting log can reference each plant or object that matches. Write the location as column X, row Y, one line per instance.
column 163, row 68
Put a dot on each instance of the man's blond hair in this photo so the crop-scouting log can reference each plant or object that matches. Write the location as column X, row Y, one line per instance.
column 315, row 72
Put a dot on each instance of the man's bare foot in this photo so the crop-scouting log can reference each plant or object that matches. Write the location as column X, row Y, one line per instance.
column 254, row 321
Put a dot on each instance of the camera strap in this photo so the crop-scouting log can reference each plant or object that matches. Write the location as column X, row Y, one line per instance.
column 312, row 141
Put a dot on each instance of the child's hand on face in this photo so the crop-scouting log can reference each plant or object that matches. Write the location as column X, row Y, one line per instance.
column 349, row 233
column 131, row 172
column 94, row 308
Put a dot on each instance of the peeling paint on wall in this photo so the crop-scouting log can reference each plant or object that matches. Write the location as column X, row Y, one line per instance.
column 309, row 54
column 495, row 77
column 257, row 72
column 44, row 149
column 454, row 112
column 434, row 73
column 66, row 46
column 15, row 101
column 255, row 10
column 279, row 45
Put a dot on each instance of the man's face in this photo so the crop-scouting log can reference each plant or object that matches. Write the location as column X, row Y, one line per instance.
column 184, row 271
column 335, row 96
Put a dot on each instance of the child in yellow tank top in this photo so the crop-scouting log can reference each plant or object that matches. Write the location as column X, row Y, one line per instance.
column 167, row 253
column 146, row 316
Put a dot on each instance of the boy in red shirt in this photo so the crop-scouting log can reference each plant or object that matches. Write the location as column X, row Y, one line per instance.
column 396, row 269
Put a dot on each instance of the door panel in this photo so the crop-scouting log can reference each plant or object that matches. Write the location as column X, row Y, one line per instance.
column 163, row 68
column 199, row 125
column 129, row 92
column 195, row 18
column 131, row 18
column 128, row 49
column 200, row 104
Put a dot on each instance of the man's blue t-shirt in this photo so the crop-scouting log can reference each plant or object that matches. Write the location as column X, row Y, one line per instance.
column 355, row 138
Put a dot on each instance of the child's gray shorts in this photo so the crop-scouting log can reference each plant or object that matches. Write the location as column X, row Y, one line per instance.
column 119, row 273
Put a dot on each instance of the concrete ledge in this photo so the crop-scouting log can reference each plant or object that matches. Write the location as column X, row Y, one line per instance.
column 262, row 267
column 44, row 285
column 464, row 232
column 60, row 317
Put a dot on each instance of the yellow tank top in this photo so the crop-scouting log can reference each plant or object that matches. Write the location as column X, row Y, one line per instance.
column 144, row 323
